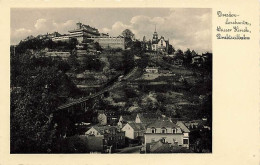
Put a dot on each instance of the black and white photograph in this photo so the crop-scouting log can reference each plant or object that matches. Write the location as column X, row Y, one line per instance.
column 111, row 80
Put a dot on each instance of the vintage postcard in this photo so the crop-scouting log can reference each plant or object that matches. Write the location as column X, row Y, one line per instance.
column 147, row 83
column 134, row 84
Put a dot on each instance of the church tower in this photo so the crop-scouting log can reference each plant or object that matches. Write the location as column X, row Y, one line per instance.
column 155, row 35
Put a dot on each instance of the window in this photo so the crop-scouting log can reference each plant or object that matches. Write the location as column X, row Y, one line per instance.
column 164, row 130
column 153, row 130
column 173, row 130
column 185, row 141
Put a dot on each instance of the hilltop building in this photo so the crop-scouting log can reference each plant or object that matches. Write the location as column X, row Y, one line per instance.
column 107, row 42
column 80, row 33
column 84, row 33
column 159, row 44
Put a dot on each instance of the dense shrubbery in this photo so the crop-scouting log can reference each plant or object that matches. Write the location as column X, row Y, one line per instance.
column 37, row 44
column 42, row 85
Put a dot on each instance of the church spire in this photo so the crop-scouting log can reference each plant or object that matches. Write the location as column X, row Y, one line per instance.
column 155, row 35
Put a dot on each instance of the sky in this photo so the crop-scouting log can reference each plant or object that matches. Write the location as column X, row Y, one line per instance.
column 185, row 28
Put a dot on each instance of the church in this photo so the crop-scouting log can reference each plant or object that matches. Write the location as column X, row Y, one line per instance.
column 159, row 44
column 156, row 44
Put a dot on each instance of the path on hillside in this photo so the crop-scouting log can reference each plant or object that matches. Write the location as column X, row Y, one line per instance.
column 106, row 89
column 175, row 69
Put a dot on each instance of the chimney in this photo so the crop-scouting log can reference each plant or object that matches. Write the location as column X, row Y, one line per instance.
column 79, row 25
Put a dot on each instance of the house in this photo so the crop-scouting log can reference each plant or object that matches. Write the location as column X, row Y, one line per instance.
column 107, row 117
column 151, row 69
column 146, row 118
column 127, row 118
column 185, row 131
column 134, row 130
column 194, row 124
column 102, row 118
column 197, row 60
column 112, row 135
column 159, row 44
column 112, row 117
column 166, row 131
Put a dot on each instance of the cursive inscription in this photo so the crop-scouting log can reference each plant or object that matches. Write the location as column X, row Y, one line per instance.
column 233, row 28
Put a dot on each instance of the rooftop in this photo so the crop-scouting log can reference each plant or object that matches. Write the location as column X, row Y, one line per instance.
column 137, row 126
column 160, row 123
column 105, row 129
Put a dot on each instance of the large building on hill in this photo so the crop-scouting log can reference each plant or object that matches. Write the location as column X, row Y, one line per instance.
column 85, row 32
column 107, row 42
column 81, row 32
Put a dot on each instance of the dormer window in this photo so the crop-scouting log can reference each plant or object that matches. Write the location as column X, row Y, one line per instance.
column 164, row 130
column 173, row 130
column 153, row 130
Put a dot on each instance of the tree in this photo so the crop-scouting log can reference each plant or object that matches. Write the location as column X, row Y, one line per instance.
column 208, row 62
column 74, row 144
column 72, row 43
column 72, row 61
column 187, row 57
column 128, row 35
column 193, row 53
column 97, row 46
column 116, row 62
column 171, row 49
column 136, row 48
column 128, row 61
column 179, row 53
column 42, row 83
column 143, row 61
column 91, row 63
